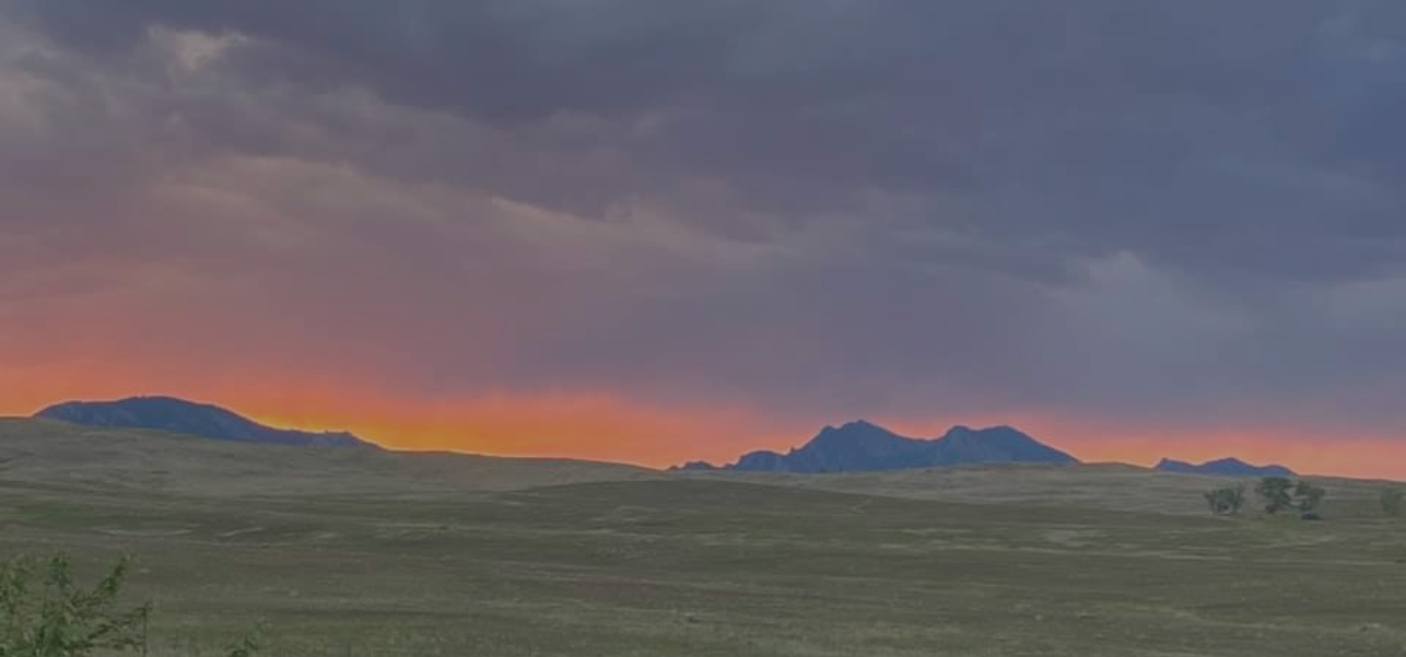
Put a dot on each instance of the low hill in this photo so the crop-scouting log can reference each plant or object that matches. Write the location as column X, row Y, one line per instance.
column 189, row 418
column 53, row 453
column 1228, row 467
column 865, row 447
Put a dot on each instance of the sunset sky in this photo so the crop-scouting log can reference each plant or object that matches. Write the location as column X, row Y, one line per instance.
column 663, row 231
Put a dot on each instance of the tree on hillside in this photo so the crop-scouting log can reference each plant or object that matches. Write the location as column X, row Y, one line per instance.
column 1393, row 501
column 1226, row 501
column 1280, row 493
column 1275, row 492
column 1307, row 496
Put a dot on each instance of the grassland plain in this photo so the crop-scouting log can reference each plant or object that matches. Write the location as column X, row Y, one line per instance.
column 388, row 555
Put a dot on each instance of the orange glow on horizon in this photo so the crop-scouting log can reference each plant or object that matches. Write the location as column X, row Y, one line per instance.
column 602, row 426
column 583, row 425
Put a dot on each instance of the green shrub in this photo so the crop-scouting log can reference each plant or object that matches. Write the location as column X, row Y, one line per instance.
column 247, row 646
column 49, row 615
column 54, row 617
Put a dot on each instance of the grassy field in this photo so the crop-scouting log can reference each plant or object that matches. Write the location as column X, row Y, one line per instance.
column 381, row 554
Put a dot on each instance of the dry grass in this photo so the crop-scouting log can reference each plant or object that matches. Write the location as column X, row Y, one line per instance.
column 358, row 555
column 1097, row 486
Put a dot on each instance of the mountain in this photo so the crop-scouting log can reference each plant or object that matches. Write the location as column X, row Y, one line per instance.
column 184, row 417
column 862, row 447
column 1230, row 467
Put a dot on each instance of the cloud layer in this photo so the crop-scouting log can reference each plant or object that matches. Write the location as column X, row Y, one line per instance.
column 1181, row 215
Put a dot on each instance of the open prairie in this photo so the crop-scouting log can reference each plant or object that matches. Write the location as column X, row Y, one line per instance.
column 356, row 552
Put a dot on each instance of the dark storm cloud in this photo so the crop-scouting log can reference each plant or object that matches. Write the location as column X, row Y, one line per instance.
column 1127, row 203
column 1256, row 136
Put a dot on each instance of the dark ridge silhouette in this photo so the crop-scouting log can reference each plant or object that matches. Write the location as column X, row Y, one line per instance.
column 863, row 447
column 1229, row 467
column 184, row 417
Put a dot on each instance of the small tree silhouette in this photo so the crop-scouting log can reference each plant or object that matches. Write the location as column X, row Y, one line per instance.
column 1226, row 501
column 1275, row 491
column 1282, row 493
column 1307, row 496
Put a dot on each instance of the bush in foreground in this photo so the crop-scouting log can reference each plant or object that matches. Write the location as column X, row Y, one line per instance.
column 50, row 615
column 57, row 618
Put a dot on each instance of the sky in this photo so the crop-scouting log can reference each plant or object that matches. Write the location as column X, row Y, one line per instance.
column 662, row 231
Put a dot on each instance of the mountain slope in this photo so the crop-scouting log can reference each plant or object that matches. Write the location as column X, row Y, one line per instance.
column 865, row 447
column 61, row 454
column 184, row 417
column 1229, row 467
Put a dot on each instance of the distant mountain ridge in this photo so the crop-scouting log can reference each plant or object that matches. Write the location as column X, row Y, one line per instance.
column 865, row 447
column 186, row 417
column 1228, row 467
